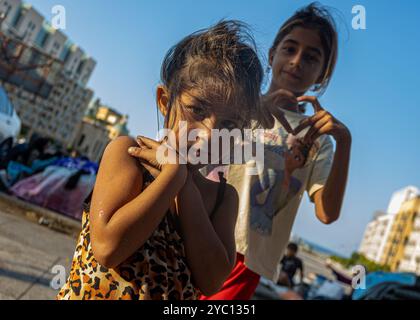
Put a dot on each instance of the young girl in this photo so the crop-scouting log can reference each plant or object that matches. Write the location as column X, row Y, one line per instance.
column 163, row 231
column 298, row 155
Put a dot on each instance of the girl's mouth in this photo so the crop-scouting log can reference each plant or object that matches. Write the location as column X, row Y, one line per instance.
column 291, row 75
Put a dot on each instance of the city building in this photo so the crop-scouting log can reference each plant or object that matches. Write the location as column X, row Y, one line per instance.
column 401, row 231
column 374, row 239
column 100, row 125
column 400, row 196
column 44, row 73
column 407, row 255
column 393, row 238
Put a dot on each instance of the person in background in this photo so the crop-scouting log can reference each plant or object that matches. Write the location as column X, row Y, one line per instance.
column 290, row 264
column 302, row 153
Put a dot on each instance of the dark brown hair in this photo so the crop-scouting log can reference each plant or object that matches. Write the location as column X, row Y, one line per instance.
column 220, row 64
column 315, row 17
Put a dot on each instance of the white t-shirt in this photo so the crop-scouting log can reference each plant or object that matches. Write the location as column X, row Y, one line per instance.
column 269, row 201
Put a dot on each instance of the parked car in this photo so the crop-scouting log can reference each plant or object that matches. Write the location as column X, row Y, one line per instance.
column 10, row 123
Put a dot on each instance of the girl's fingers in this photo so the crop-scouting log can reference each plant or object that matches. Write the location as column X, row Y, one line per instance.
column 266, row 119
column 324, row 130
column 150, row 143
column 313, row 100
column 142, row 153
column 279, row 97
column 152, row 170
column 282, row 119
column 141, row 143
column 309, row 121
column 284, row 94
column 317, row 125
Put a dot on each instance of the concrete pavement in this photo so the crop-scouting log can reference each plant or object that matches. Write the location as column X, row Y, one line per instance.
column 28, row 251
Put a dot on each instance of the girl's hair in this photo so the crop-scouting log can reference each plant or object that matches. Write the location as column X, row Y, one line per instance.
column 219, row 65
column 315, row 17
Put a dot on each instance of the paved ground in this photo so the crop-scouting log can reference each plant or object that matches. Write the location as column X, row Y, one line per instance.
column 28, row 252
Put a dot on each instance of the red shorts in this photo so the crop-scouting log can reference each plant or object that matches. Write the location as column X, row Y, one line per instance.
column 240, row 285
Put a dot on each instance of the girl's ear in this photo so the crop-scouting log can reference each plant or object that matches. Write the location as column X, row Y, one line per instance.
column 271, row 57
column 162, row 99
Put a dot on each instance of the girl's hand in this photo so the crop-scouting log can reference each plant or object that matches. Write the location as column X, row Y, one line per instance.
column 147, row 155
column 322, row 122
column 281, row 98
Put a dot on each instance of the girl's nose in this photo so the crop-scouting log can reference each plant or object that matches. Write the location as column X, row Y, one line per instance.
column 205, row 128
column 211, row 123
column 296, row 59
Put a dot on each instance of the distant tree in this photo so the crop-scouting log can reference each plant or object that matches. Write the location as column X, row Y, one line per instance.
column 359, row 259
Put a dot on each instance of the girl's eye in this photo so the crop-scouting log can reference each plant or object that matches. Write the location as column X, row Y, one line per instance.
column 228, row 124
column 199, row 111
column 288, row 49
column 311, row 58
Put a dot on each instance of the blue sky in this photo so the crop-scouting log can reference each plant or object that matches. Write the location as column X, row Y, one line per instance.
column 373, row 91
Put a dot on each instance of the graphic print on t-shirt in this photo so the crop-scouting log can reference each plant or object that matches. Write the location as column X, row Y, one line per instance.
column 276, row 186
column 279, row 181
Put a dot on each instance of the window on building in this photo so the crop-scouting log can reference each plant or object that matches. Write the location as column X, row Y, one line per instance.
column 8, row 7
column 82, row 138
column 18, row 18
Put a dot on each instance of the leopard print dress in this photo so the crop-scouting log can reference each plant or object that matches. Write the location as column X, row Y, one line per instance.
column 156, row 271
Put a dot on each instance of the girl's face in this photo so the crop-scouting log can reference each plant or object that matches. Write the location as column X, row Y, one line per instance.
column 298, row 61
column 203, row 119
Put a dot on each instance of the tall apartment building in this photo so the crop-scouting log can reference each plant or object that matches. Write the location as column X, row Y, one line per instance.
column 374, row 239
column 402, row 230
column 393, row 239
column 44, row 73
column 407, row 252
column 401, row 196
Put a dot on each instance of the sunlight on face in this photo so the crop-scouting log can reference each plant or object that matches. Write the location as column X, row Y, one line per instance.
column 298, row 60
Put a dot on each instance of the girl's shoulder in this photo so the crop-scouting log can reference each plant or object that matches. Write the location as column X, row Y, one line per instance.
column 119, row 143
column 120, row 176
column 116, row 156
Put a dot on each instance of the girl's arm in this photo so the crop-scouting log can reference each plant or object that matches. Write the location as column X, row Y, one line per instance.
column 210, row 245
column 329, row 199
column 122, row 217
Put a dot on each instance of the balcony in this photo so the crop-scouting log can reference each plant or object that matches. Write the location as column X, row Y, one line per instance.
column 410, row 250
column 415, row 235
column 407, row 266
column 416, row 224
